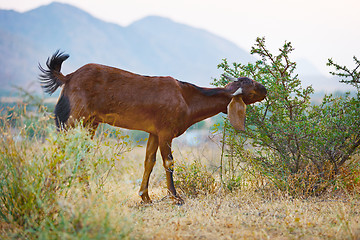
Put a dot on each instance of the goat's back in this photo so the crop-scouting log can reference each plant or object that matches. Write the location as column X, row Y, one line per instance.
column 124, row 99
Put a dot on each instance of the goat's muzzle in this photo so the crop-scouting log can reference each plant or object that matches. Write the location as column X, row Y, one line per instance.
column 256, row 95
column 261, row 90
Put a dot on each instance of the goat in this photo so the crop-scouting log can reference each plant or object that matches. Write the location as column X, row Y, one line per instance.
column 162, row 106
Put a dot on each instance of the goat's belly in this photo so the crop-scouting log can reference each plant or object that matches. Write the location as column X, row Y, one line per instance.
column 128, row 122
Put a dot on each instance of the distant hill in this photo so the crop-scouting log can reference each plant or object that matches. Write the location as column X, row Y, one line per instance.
column 150, row 46
column 310, row 75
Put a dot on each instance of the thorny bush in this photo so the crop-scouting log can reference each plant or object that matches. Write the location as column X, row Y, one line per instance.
column 299, row 146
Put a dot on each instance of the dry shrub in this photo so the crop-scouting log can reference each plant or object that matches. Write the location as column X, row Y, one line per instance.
column 43, row 174
column 24, row 198
column 349, row 176
column 310, row 181
column 194, row 179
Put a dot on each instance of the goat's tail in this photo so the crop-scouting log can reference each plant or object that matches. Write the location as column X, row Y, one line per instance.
column 52, row 78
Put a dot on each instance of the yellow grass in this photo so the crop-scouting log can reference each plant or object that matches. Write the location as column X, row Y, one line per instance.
column 244, row 214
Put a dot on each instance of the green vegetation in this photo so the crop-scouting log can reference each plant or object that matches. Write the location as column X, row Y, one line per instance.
column 299, row 146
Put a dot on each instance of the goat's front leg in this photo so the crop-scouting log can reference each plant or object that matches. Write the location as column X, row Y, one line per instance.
column 168, row 162
column 150, row 159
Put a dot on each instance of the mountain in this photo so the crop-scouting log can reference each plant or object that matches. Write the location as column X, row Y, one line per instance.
column 310, row 75
column 150, row 46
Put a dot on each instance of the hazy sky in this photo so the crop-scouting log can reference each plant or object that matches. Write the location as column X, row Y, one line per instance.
column 318, row 29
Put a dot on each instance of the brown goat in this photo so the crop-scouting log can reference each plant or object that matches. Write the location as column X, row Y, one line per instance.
column 162, row 106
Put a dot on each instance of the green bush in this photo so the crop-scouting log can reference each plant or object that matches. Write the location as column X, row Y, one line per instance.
column 297, row 145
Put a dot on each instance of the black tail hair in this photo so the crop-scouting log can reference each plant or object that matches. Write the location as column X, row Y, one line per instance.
column 62, row 112
column 48, row 80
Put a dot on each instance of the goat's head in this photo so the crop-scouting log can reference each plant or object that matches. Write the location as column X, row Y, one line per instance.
column 244, row 91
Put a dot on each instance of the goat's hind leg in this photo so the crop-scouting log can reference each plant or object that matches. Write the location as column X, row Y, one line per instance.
column 168, row 162
column 150, row 159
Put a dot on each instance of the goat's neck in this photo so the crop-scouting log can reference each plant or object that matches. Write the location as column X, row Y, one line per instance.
column 207, row 102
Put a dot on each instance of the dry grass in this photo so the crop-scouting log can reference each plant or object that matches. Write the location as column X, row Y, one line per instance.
column 249, row 217
column 245, row 214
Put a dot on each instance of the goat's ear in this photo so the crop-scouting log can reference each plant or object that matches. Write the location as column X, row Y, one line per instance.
column 236, row 113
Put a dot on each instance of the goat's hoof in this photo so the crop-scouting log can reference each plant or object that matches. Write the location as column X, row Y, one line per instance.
column 145, row 198
column 146, row 201
column 146, row 204
column 178, row 200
